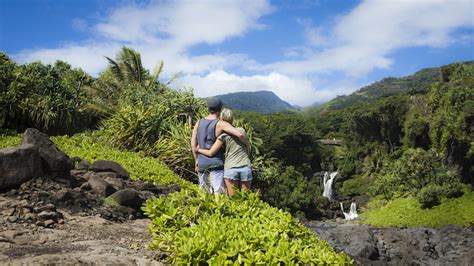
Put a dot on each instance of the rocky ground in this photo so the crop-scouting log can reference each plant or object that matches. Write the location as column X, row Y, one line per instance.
column 60, row 210
column 450, row 245
column 76, row 239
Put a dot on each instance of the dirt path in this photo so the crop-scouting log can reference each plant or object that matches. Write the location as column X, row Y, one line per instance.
column 75, row 240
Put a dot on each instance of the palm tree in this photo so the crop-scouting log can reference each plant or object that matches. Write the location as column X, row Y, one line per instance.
column 125, row 71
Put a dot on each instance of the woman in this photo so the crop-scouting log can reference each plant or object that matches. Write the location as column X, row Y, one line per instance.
column 237, row 171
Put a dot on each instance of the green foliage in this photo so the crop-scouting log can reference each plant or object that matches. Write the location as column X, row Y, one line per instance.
column 290, row 137
column 91, row 147
column 288, row 189
column 430, row 195
column 195, row 227
column 416, row 126
column 9, row 139
column 125, row 74
column 48, row 97
column 356, row 186
column 174, row 149
column 416, row 83
column 380, row 122
column 403, row 212
column 416, row 172
column 452, row 115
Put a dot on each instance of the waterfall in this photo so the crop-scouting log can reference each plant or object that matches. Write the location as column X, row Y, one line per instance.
column 352, row 214
column 327, row 181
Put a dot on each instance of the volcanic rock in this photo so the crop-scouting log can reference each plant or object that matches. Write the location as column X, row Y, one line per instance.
column 55, row 162
column 109, row 166
column 18, row 165
column 128, row 198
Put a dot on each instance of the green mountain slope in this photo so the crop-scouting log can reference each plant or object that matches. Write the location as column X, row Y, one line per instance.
column 258, row 101
column 418, row 82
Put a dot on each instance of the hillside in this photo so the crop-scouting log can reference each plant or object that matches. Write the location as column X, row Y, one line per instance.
column 418, row 82
column 258, row 101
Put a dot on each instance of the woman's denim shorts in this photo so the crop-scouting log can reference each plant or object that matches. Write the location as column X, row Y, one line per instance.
column 238, row 174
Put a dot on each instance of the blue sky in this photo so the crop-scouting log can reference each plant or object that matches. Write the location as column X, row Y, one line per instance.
column 305, row 51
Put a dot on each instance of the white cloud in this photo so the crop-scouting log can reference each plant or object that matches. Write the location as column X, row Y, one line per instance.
column 291, row 89
column 183, row 23
column 89, row 57
column 162, row 30
column 363, row 39
column 350, row 45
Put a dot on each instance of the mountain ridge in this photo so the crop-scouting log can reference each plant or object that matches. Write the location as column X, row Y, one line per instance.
column 418, row 82
column 256, row 101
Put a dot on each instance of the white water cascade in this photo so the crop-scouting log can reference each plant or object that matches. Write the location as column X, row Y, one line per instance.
column 352, row 214
column 327, row 182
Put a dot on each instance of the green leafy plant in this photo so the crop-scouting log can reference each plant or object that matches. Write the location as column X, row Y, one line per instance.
column 195, row 227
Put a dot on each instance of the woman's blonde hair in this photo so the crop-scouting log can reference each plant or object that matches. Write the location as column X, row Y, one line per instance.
column 227, row 115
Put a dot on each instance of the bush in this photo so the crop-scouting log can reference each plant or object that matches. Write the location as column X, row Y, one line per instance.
column 413, row 171
column 89, row 147
column 195, row 227
column 355, row 186
column 453, row 190
column 430, row 196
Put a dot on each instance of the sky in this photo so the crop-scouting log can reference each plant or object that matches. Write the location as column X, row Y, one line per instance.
column 305, row 51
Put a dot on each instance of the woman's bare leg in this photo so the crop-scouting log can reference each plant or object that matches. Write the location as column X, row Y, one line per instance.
column 231, row 186
column 246, row 185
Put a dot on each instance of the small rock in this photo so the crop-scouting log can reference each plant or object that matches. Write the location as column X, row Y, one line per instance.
column 12, row 219
column 10, row 212
column 46, row 215
column 83, row 165
column 61, row 221
column 99, row 186
column 109, row 166
column 48, row 223
column 115, row 182
column 30, row 217
column 85, row 186
column 63, row 195
column 78, row 173
column 47, row 207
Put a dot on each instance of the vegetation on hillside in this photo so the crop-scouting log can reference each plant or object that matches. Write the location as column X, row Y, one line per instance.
column 419, row 82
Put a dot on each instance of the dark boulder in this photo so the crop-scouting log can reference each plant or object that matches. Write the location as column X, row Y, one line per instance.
column 109, row 166
column 18, row 165
column 128, row 198
column 55, row 162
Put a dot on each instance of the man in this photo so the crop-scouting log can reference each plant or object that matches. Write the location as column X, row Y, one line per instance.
column 205, row 133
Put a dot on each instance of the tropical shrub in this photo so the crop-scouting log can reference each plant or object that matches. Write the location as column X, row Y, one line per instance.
column 194, row 227
column 430, row 195
column 91, row 147
column 412, row 173
column 48, row 97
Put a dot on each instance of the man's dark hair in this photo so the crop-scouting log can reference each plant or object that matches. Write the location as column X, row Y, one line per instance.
column 214, row 105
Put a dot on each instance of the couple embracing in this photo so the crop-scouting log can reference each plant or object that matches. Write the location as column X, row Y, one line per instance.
column 221, row 152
